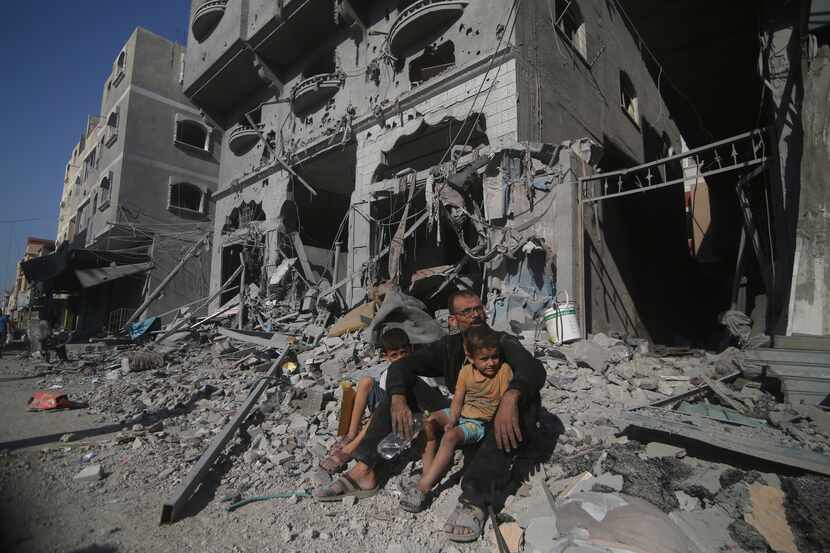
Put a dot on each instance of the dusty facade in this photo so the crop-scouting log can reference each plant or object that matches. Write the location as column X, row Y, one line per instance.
column 138, row 184
column 19, row 298
column 352, row 95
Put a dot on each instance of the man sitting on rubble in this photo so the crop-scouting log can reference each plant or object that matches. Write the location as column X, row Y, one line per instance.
column 513, row 428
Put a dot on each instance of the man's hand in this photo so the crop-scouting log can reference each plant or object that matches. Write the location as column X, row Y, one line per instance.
column 451, row 423
column 506, row 423
column 401, row 416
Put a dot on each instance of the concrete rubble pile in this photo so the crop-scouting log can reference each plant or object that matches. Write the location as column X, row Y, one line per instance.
column 604, row 475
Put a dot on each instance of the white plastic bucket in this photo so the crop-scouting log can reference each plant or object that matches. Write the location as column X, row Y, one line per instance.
column 561, row 322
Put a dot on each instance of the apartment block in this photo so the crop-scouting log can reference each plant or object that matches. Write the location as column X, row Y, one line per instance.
column 136, row 192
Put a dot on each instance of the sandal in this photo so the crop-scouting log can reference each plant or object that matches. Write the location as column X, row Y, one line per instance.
column 413, row 500
column 344, row 486
column 465, row 516
column 335, row 461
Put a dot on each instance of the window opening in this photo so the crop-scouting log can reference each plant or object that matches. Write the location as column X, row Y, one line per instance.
column 111, row 132
column 569, row 20
column 192, row 134
column 120, row 68
column 89, row 164
column 321, row 65
column 106, row 190
column 432, row 62
column 186, row 196
column 242, row 215
column 628, row 98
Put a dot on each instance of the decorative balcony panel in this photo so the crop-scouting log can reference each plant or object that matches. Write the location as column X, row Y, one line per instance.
column 207, row 17
column 242, row 138
column 315, row 90
column 421, row 19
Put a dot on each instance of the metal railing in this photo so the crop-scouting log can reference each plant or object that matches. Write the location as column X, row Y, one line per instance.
column 738, row 152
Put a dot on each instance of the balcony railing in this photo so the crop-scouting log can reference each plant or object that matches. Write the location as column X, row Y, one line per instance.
column 315, row 90
column 423, row 18
column 243, row 137
column 206, row 18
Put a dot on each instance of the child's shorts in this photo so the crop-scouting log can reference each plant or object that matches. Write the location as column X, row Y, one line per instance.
column 473, row 429
column 376, row 396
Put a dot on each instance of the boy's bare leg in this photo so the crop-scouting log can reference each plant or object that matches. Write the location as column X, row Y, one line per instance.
column 361, row 399
column 432, row 430
column 431, row 447
column 443, row 459
column 352, row 446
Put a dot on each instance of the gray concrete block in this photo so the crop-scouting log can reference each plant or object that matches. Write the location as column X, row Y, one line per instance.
column 541, row 534
column 90, row 474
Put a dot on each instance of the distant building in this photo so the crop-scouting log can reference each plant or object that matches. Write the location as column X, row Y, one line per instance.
column 20, row 299
column 136, row 191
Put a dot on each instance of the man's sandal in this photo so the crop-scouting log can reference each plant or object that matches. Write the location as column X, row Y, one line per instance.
column 465, row 516
column 344, row 486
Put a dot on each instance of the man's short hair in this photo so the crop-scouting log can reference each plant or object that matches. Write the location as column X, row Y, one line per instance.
column 394, row 339
column 477, row 338
column 459, row 294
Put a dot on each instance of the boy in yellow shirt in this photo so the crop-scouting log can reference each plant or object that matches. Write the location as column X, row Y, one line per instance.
column 482, row 382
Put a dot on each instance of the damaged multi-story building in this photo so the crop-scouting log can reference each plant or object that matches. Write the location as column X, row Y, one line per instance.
column 18, row 305
column 135, row 198
column 424, row 142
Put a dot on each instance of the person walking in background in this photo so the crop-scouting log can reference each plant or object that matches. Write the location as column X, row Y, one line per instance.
column 4, row 330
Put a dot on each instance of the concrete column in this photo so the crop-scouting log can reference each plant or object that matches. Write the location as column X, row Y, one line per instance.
column 809, row 302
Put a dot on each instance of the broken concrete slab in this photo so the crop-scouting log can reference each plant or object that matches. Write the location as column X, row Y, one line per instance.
column 658, row 450
column 526, row 509
column 686, row 501
column 764, row 443
column 590, row 354
column 264, row 339
column 708, row 529
column 541, row 533
column 769, row 518
column 90, row 473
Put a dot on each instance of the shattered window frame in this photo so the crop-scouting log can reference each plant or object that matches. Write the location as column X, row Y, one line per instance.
column 179, row 138
column 175, row 198
column 570, row 22
column 628, row 98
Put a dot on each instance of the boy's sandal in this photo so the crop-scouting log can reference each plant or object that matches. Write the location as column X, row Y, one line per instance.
column 468, row 517
column 340, row 488
column 413, row 500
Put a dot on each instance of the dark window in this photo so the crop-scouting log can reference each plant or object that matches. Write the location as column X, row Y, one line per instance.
column 106, row 189
column 433, row 61
column 243, row 215
column 184, row 195
column 628, row 98
column 111, row 131
column 569, row 20
column 192, row 133
column 323, row 64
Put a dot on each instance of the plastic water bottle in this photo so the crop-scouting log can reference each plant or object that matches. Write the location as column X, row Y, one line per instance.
column 394, row 443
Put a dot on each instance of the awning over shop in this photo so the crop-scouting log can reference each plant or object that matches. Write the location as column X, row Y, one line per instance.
column 59, row 269
column 99, row 275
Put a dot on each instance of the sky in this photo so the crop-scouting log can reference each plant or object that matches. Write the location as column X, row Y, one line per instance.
column 55, row 56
